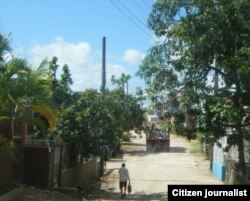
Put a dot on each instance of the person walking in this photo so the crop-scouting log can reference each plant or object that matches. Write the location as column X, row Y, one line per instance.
column 123, row 179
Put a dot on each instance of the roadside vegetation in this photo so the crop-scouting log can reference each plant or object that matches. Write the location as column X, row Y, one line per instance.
column 43, row 101
column 197, row 76
column 198, row 71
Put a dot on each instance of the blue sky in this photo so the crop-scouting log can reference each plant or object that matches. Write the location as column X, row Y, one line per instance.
column 73, row 31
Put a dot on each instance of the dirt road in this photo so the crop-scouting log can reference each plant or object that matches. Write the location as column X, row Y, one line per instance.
column 151, row 173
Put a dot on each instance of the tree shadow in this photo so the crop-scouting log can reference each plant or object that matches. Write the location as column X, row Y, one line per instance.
column 133, row 144
column 138, row 153
column 109, row 194
column 108, row 172
column 117, row 155
column 177, row 150
column 141, row 152
column 116, row 160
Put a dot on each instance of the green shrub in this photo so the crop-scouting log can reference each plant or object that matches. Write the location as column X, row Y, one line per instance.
column 126, row 137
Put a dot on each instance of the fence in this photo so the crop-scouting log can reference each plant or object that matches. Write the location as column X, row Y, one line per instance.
column 232, row 175
column 80, row 174
column 6, row 171
column 49, row 164
column 41, row 163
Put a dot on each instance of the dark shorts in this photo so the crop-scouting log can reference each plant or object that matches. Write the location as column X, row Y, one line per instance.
column 123, row 184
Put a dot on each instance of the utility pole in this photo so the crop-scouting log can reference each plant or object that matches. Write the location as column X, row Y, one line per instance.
column 103, row 63
column 216, row 76
column 216, row 87
column 101, row 173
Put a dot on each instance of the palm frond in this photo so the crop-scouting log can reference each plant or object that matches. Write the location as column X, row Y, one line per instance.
column 16, row 67
column 3, row 118
column 47, row 112
column 43, row 67
column 4, row 46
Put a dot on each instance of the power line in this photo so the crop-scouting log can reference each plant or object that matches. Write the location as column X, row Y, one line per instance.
column 138, row 5
column 126, row 8
column 128, row 17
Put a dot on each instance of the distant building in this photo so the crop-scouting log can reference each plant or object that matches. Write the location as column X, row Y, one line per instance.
column 151, row 118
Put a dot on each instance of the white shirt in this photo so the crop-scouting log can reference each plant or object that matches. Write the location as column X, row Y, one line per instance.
column 124, row 175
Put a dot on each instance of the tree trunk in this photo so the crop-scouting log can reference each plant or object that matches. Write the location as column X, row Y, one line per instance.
column 211, row 154
column 240, row 139
column 242, row 168
column 12, row 129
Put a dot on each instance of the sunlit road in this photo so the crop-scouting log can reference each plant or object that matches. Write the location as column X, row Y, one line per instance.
column 151, row 173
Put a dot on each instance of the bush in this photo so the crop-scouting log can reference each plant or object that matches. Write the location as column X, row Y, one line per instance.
column 126, row 137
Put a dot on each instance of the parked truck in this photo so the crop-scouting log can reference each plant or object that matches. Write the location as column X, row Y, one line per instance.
column 157, row 137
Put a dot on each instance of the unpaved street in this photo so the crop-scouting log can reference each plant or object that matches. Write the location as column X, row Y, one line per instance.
column 151, row 173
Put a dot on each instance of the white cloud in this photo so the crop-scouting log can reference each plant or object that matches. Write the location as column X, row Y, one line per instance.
column 133, row 56
column 84, row 65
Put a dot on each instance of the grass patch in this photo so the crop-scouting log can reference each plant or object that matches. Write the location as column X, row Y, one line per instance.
column 196, row 148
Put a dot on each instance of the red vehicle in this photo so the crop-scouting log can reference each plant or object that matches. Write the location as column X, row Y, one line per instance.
column 157, row 139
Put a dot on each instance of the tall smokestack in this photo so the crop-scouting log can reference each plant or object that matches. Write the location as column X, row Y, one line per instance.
column 103, row 63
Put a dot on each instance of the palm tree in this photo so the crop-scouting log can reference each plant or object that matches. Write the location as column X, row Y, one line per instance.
column 121, row 81
column 23, row 89
column 4, row 47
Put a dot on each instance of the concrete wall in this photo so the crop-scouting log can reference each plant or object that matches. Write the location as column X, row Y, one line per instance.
column 220, row 156
column 218, row 167
column 80, row 174
column 219, row 170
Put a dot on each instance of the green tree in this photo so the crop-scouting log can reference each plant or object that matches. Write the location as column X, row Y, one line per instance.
column 139, row 94
column 61, row 92
column 130, row 105
column 4, row 47
column 200, row 39
column 97, row 119
column 23, row 89
column 81, row 125
column 121, row 82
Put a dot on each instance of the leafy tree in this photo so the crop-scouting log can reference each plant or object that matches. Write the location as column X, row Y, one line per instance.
column 133, row 113
column 121, row 82
column 80, row 125
column 199, row 40
column 61, row 95
column 61, row 91
column 140, row 95
column 97, row 119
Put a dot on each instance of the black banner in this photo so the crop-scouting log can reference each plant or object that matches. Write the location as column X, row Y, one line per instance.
column 208, row 192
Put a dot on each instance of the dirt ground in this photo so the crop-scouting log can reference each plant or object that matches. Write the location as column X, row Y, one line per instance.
column 150, row 173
